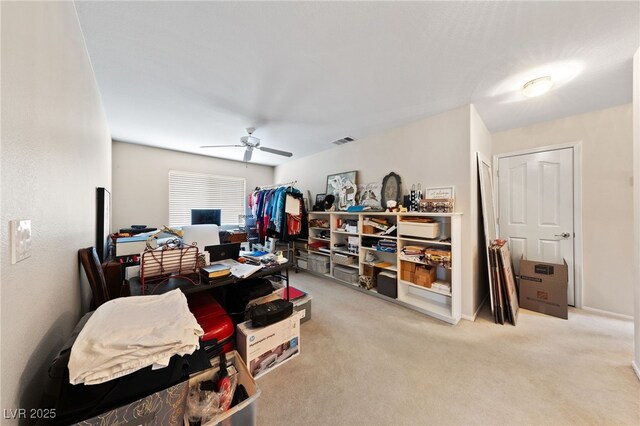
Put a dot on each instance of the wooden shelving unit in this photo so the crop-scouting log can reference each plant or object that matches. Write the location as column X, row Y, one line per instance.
column 437, row 302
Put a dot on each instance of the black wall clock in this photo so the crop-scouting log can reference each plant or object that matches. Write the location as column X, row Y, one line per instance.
column 391, row 189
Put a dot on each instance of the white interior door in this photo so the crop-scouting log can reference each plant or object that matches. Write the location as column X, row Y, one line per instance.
column 536, row 211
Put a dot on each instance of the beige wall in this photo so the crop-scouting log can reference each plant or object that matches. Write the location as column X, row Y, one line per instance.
column 141, row 180
column 434, row 151
column 56, row 149
column 607, row 213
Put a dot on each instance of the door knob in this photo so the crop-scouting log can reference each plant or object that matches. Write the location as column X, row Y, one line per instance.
column 563, row 235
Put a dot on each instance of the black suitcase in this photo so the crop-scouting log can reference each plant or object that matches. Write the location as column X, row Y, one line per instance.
column 73, row 403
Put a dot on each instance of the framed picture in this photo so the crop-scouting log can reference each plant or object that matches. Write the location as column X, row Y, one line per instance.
column 370, row 195
column 438, row 200
column 391, row 191
column 443, row 192
column 320, row 199
column 343, row 187
column 103, row 222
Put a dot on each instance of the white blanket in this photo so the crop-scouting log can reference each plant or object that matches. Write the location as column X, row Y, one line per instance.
column 130, row 333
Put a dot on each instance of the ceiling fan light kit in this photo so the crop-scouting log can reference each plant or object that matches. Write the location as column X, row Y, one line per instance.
column 249, row 142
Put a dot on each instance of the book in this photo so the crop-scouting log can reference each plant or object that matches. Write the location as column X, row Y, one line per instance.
column 294, row 293
column 215, row 270
column 390, row 230
column 383, row 226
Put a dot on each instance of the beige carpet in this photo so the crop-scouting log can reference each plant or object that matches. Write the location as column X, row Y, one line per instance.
column 365, row 361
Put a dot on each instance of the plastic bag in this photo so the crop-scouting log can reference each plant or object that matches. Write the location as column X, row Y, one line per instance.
column 204, row 403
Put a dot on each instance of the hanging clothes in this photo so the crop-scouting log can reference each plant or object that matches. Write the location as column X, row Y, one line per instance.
column 279, row 212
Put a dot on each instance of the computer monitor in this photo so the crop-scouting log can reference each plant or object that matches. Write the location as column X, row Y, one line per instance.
column 205, row 217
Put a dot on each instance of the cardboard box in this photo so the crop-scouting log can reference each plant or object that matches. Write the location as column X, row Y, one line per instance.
column 266, row 348
column 368, row 271
column 368, row 229
column 407, row 276
column 543, row 287
column 408, row 266
column 425, row 275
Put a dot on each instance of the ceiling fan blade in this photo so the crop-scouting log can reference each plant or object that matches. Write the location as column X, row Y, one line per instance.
column 247, row 155
column 275, row 151
column 221, row 146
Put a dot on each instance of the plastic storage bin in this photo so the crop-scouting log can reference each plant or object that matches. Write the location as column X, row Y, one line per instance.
column 420, row 230
column 349, row 275
column 303, row 305
column 318, row 263
column 243, row 413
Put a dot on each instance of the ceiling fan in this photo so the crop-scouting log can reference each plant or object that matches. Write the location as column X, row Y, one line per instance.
column 250, row 142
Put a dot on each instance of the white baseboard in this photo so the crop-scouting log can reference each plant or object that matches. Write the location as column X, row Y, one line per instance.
column 475, row 315
column 615, row 314
column 636, row 368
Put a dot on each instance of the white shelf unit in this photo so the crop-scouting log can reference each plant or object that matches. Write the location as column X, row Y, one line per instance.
column 318, row 233
column 368, row 239
column 437, row 302
column 345, row 245
column 431, row 301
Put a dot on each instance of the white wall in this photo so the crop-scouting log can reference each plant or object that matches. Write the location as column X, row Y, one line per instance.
column 607, row 211
column 636, row 205
column 51, row 118
column 141, row 180
column 434, row 152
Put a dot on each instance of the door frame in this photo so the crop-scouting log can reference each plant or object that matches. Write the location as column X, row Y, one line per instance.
column 577, row 203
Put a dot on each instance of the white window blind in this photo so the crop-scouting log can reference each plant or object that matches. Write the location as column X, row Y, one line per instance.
column 189, row 190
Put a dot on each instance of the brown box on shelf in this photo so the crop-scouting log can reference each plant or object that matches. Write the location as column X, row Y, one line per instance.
column 407, row 276
column 425, row 275
column 408, row 266
column 368, row 229
column 368, row 271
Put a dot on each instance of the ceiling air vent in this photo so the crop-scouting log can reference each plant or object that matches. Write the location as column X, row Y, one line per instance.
column 343, row 141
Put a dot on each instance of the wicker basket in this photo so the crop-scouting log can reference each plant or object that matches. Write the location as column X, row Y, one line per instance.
column 342, row 259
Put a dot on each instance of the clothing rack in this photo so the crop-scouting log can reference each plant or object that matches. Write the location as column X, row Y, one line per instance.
column 292, row 183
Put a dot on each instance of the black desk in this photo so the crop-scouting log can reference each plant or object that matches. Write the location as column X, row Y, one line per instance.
column 187, row 286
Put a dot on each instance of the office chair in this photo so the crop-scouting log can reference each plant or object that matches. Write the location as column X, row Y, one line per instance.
column 92, row 267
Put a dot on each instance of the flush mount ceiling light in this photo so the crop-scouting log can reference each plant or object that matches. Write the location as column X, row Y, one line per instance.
column 537, row 86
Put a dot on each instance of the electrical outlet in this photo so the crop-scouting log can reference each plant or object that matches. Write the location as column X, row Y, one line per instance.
column 20, row 240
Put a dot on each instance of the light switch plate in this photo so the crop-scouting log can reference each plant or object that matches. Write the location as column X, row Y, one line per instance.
column 20, row 240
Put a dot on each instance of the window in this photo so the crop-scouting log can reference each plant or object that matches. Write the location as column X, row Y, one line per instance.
column 189, row 190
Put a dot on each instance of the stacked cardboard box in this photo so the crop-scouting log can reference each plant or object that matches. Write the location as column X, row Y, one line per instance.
column 422, row 275
column 407, row 271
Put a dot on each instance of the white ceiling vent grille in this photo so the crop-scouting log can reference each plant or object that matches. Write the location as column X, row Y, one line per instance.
column 342, row 141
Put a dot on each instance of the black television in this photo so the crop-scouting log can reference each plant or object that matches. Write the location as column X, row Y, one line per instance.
column 205, row 217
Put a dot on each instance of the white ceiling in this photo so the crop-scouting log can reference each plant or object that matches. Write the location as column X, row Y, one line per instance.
column 179, row 75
